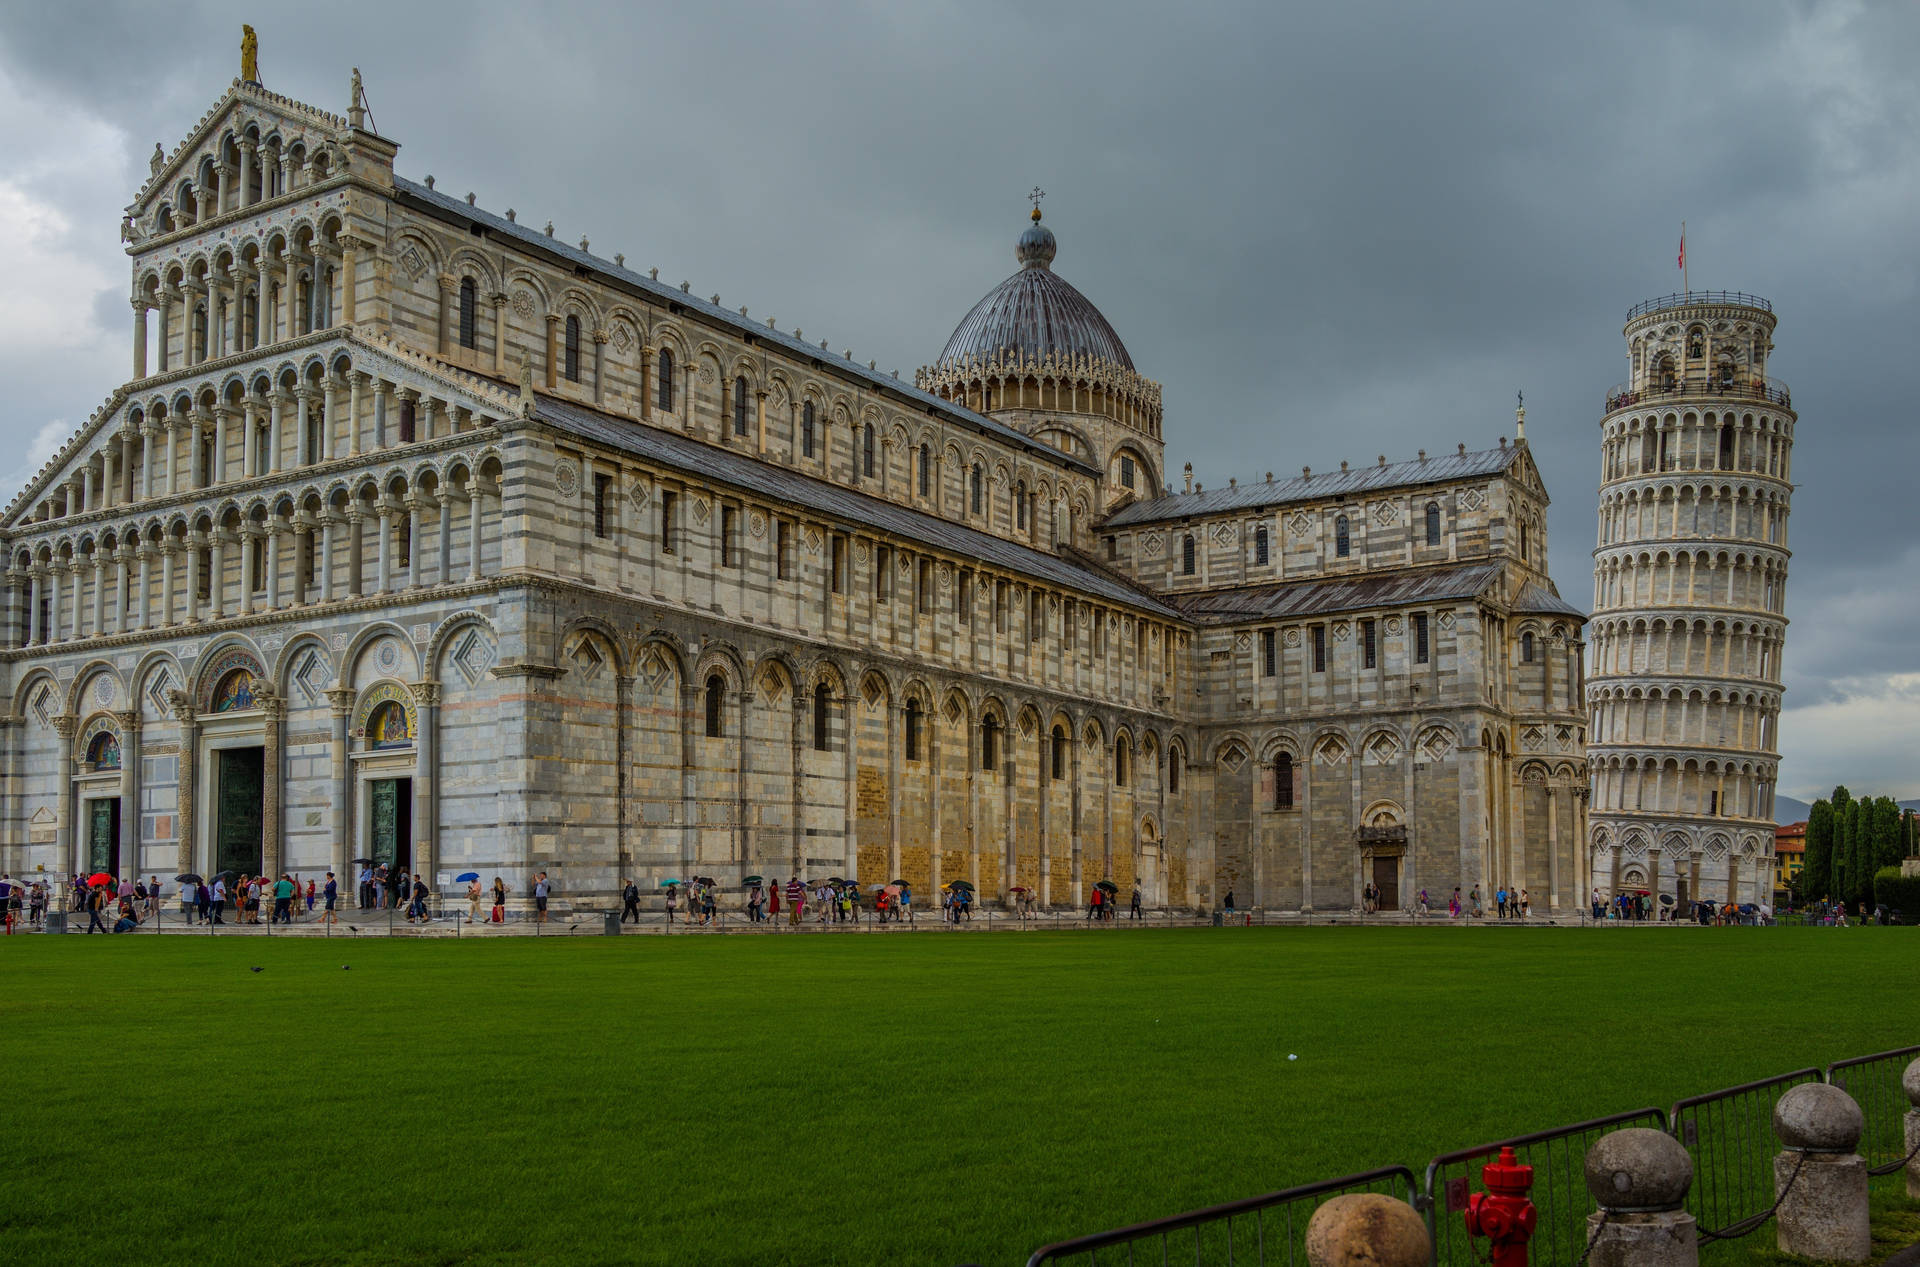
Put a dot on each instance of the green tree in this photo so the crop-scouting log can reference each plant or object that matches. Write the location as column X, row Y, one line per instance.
column 1859, row 854
column 1816, row 876
column 1887, row 845
column 1842, row 823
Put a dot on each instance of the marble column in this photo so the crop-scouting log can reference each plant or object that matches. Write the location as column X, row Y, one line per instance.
column 99, row 592
column 349, row 277
column 275, row 529
column 443, row 540
column 473, row 528
column 147, row 459
column 262, row 307
column 129, row 436
column 220, row 417
column 599, row 366
column 383, row 576
column 65, row 843
column 195, row 541
column 143, row 602
column 274, row 784
column 140, row 338
column 415, row 571
column 249, row 547
column 553, row 341
column 426, row 698
column 354, row 381
column 55, row 573
column 447, row 283
column 324, row 565
column 166, row 329
column 356, row 551
column 340, row 699
column 36, row 628
column 381, row 390
column 130, row 858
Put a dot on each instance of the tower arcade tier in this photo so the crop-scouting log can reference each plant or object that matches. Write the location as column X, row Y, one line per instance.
column 1689, row 598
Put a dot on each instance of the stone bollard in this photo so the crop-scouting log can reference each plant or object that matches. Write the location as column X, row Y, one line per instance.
column 1639, row 1179
column 1365, row 1228
column 1824, row 1213
column 1911, row 1082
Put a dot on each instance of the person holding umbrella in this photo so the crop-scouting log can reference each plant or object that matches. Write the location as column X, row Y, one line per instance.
column 96, row 902
column 796, row 901
column 756, row 898
column 906, row 902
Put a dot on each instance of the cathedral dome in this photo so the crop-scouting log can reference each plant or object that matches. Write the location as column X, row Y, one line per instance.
column 1033, row 313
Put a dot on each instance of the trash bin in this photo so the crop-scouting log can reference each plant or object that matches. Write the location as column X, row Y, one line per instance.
column 1219, row 920
column 613, row 923
column 56, row 922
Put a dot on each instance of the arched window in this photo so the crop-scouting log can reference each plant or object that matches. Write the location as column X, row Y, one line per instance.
column 1186, row 555
column 1020, row 505
column 1260, row 545
column 926, row 470
column 469, row 314
column 1525, row 543
column 323, row 300
column 912, row 729
column 806, row 430
column 1173, row 772
column 1059, row 761
column 571, row 367
column 822, row 711
column 1120, row 763
column 1433, row 523
column 1342, row 543
column 663, row 389
column 716, row 705
column 866, row 450
column 103, row 753
column 989, row 743
column 976, row 482
column 740, row 406
column 1526, row 647
column 1283, row 781
column 388, row 727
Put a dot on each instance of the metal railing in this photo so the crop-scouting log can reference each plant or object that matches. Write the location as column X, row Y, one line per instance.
column 1729, row 1135
column 1256, row 1231
column 1559, row 1194
column 1685, row 298
column 1698, row 383
column 1874, row 1083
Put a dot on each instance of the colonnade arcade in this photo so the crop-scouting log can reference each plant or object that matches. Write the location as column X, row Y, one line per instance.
column 1686, row 864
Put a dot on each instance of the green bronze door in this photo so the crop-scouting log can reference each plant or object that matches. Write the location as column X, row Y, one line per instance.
column 391, row 822
column 237, row 824
column 103, row 835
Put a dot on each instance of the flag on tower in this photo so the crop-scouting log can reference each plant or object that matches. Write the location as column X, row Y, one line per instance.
column 1681, row 263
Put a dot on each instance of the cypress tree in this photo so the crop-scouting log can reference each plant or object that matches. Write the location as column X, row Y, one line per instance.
column 1859, row 854
column 1887, row 847
column 1816, row 874
column 1842, row 821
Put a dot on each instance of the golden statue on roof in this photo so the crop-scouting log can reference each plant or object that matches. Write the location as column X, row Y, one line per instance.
column 249, row 55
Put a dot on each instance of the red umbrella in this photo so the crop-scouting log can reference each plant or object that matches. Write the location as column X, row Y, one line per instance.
column 99, row 878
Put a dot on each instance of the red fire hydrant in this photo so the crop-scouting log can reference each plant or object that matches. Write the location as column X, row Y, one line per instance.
column 1502, row 1213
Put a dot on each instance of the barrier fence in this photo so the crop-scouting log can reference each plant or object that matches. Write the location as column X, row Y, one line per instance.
column 1257, row 1231
column 1728, row 1134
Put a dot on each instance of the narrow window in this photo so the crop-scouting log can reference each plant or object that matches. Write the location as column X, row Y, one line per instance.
column 882, row 573
column 663, row 389
column 911, row 726
column 989, row 743
column 403, row 530
column 1726, row 448
column 1059, row 753
column 1260, row 545
column 779, row 549
column 926, row 470
column 837, row 565
column 206, row 574
column 573, row 349
column 976, row 481
column 1036, row 615
column 309, row 559
column 1526, row 648
column 406, row 422
column 925, row 602
column 1119, row 763
column 1369, row 646
column 1020, row 505
column 469, row 308
column 1342, row 543
column 258, row 581
column 1173, row 773
column 822, row 710
column 740, row 406
column 806, row 430
column 963, row 598
column 1186, row 555
column 1713, row 803
column 1266, row 653
column 716, row 705
column 600, row 485
column 729, row 554
column 1113, row 548
column 666, row 522
column 866, row 451
column 1126, row 471
column 1420, row 637
column 1319, row 648
column 1283, row 781
column 1433, row 523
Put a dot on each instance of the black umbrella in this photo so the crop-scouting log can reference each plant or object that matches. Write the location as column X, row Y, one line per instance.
column 1108, row 885
column 363, row 862
column 901, row 883
column 188, row 878
column 961, row 884
column 754, row 879
column 227, row 875
column 1666, row 899
column 835, row 880
column 703, row 879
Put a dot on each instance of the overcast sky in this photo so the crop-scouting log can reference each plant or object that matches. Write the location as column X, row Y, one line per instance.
column 1331, row 231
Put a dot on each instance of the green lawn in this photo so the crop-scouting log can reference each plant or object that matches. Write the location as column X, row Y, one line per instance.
column 927, row 1099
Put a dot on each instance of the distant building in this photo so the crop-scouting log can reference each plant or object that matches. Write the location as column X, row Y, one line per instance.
column 1789, row 855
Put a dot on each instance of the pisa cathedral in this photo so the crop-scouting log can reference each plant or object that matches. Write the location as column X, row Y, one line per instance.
column 419, row 534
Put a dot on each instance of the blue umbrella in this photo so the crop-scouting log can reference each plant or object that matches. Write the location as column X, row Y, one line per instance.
column 668, row 883
column 465, row 876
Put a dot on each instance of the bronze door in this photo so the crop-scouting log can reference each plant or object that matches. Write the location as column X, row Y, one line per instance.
column 1386, row 879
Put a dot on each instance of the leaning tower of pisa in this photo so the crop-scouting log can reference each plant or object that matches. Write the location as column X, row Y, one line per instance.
column 1689, row 598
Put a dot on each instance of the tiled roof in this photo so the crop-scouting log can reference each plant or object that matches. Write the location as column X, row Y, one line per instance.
column 663, row 294
column 1289, row 600
column 1321, row 485
column 833, row 502
column 1535, row 597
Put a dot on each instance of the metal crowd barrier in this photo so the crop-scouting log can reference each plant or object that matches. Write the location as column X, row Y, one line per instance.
column 1874, row 1083
column 1559, row 1194
column 1255, row 1231
column 1730, row 1136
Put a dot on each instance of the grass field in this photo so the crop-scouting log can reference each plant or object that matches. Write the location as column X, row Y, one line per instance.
column 924, row 1099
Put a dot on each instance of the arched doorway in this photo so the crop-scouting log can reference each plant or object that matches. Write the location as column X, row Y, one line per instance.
column 1383, row 850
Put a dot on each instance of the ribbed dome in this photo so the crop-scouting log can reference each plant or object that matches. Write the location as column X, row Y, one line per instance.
column 1035, row 312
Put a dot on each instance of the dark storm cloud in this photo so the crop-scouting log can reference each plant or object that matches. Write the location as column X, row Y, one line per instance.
column 1332, row 231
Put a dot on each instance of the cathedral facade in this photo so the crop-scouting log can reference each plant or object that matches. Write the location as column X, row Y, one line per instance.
column 421, row 535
